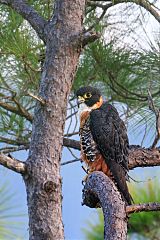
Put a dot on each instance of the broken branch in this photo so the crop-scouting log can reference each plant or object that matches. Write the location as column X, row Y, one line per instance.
column 13, row 164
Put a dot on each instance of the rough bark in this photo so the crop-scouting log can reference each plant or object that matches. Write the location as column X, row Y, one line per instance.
column 99, row 189
column 43, row 182
column 143, row 157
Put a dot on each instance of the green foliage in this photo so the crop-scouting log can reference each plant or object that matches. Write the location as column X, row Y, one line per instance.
column 95, row 231
column 20, row 71
column 9, row 211
column 146, row 223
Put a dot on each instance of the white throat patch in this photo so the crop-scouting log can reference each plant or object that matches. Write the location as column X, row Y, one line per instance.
column 83, row 108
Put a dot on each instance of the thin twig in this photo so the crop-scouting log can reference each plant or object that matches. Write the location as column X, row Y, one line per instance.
column 97, row 21
column 71, row 134
column 156, row 111
column 150, row 7
column 72, row 153
column 144, row 207
column 71, row 115
column 70, row 161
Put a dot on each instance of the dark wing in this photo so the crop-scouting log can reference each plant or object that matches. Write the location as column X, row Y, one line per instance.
column 110, row 135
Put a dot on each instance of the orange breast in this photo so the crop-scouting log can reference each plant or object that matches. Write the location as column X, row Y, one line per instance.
column 98, row 165
column 83, row 118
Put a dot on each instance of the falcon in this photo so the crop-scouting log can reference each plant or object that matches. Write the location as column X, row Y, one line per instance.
column 103, row 138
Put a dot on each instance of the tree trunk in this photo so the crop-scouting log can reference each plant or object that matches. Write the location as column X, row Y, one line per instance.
column 43, row 181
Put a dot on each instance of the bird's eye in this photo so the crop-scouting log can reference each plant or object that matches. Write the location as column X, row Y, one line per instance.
column 87, row 95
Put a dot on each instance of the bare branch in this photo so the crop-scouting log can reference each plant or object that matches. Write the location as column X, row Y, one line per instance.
column 18, row 110
column 36, row 21
column 143, row 157
column 71, row 115
column 13, row 164
column 151, row 103
column 70, row 134
column 147, row 6
column 38, row 98
column 71, row 143
column 18, row 142
column 96, row 4
column 98, row 191
column 144, row 207
column 99, row 19
column 13, row 149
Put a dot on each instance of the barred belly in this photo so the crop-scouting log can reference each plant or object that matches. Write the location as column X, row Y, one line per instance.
column 88, row 145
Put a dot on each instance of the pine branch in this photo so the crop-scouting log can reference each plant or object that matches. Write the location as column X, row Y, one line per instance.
column 13, row 164
column 98, row 190
column 144, row 207
column 18, row 110
column 27, row 12
column 99, row 5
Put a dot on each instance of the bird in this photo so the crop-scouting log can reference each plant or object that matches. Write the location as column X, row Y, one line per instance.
column 103, row 138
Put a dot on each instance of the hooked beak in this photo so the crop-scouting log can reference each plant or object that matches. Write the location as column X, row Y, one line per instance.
column 80, row 100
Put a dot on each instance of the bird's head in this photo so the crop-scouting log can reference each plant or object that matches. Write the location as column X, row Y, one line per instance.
column 89, row 98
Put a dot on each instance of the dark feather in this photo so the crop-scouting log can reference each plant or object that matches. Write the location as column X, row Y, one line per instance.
column 109, row 132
